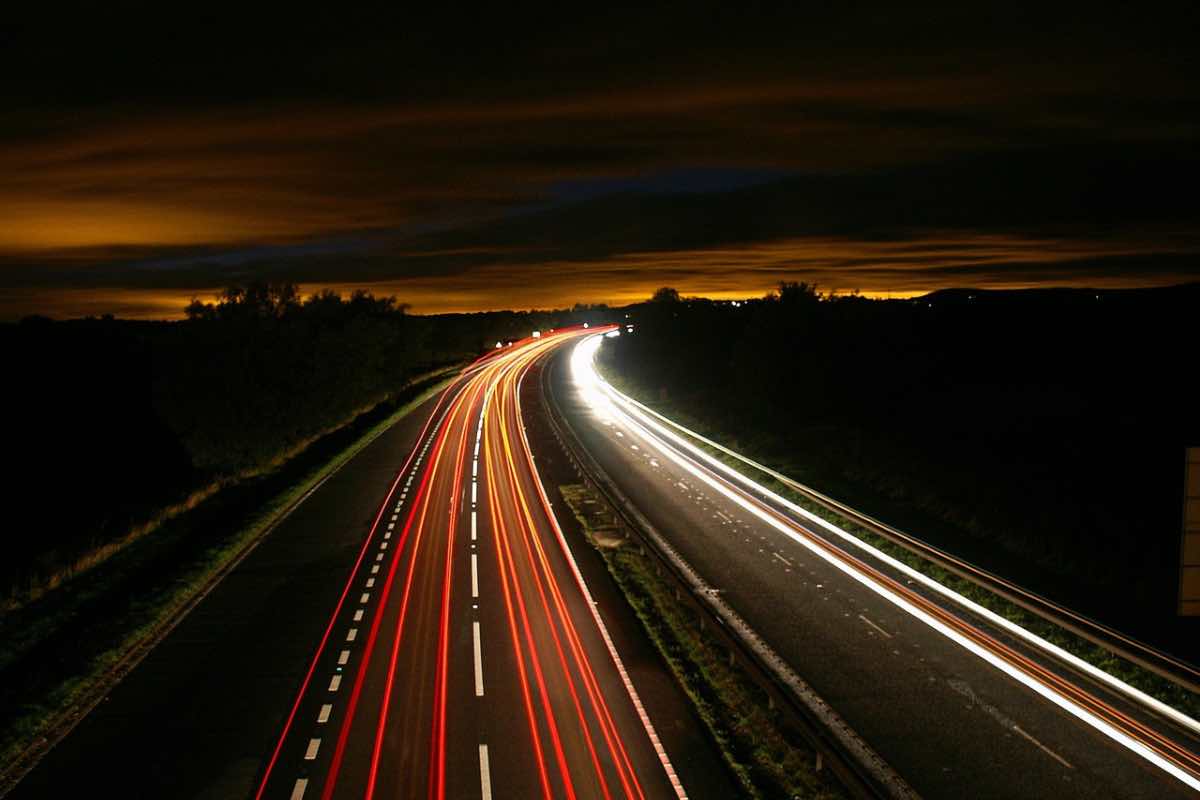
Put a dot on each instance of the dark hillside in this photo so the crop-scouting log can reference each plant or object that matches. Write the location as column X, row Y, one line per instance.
column 1038, row 433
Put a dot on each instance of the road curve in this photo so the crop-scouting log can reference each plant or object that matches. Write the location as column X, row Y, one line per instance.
column 958, row 703
column 464, row 656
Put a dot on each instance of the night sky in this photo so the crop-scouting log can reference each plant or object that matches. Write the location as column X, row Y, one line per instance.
column 468, row 161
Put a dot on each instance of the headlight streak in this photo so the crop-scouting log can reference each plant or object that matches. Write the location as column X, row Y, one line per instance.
column 606, row 402
column 1074, row 661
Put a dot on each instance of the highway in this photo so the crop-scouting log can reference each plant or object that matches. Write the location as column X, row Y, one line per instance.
column 958, row 702
column 416, row 627
column 465, row 656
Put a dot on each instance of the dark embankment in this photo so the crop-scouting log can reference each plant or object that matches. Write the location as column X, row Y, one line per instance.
column 115, row 425
column 1037, row 433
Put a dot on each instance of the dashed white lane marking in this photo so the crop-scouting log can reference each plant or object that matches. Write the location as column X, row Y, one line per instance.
column 299, row 789
column 474, row 489
column 873, row 625
column 475, row 468
column 474, row 523
column 383, row 545
column 335, row 682
column 358, row 615
column 485, row 773
column 379, row 557
column 391, row 525
column 1044, row 749
column 371, row 581
column 313, row 746
column 365, row 597
column 781, row 558
column 326, row 710
column 374, row 568
column 474, row 576
column 343, row 657
column 478, row 661
column 351, row 634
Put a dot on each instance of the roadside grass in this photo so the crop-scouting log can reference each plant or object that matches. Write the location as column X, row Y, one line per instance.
column 1136, row 676
column 121, row 607
column 767, row 759
column 55, row 570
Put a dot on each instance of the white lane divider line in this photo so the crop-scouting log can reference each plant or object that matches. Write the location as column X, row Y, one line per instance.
column 374, row 568
column 1043, row 748
column 358, row 615
column 474, row 524
column 365, row 597
column 474, row 489
column 343, row 657
column 323, row 717
column 391, row 525
column 335, row 682
column 371, row 581
column 299, row 789
column 474, row 576
column 379, row 557
column 383, row 545
column 313, row 746
column 485, row 773
column 351, row 634
column 876, row 627
column 781, row 558
column 478, row 661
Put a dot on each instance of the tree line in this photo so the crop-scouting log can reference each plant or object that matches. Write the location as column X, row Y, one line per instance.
column 112, row 420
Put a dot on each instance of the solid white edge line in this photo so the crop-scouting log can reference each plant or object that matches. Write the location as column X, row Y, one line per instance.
column 634, row 697
column 1030, row 637
column 1049, row 694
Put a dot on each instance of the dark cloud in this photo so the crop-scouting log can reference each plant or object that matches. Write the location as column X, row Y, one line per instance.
column 161, row 156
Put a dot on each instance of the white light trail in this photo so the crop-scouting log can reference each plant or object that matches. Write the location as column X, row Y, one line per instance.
column 611, row 405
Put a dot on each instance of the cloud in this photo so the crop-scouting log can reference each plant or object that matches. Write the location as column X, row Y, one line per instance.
column 416, row 155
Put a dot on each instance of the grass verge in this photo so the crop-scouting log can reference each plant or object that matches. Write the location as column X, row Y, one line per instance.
column 767, row 759
column 64, row 652
column 1142, row 679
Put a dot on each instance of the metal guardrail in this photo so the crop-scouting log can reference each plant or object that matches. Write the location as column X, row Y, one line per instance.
column 861, row 770
column 1143, row 655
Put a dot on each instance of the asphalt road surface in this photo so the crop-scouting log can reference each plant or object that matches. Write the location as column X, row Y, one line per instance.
column 913, row 685
column 421, row 633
